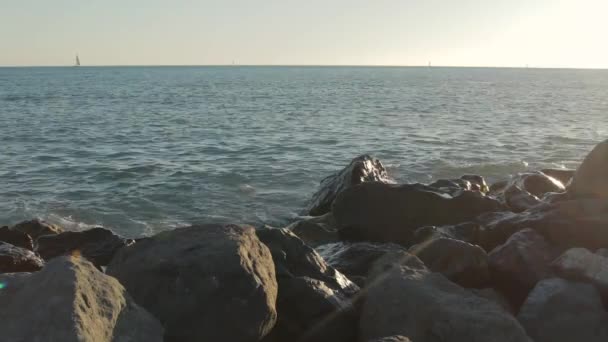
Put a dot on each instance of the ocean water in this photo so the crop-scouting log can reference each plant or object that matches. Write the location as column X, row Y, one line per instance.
column 143, row 149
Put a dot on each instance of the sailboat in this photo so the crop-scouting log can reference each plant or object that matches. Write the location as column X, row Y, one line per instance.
column 77, row 61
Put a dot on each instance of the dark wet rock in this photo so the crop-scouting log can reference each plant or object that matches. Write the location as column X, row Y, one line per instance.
column 561, row 311
column 467, row 231
column 573, row 223
column 538, row 183
column 316, row 231
column 361, row 169
column 36, row 228
column 314, row 302
column 494, row 296
column 591, row 177
column 98, row 245
column 204, row 283
column 355, row 259
column 426, row 306
column 581, row 264
column 466, row 182
column 378, row 212
column 391, row 339
column 498, row 187
column 519, row 200
column 17, row 259
column 562, row 175
column 70, row 300
column 520, row 263
column 16, row 238
column 461, row 262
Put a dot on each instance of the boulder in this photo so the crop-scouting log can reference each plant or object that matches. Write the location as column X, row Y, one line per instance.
column 494, row 296
column 355, row 259
column 467, row 231
column 426, row 306
column 98, row 245
column 519, row 200
column 204, row 283
column 538, row 183
column 379, row 212
column 520, row 263
column 580, row 264
column 16, row 238
column 316, row 231
column 361, row 169
column 569, row 223
column 17, row 259
column 602, row 251
column 36, row 228
column 591, row 177
column 562, row 175
column 70, row 300
column 461, row 262
column 561, row 311
column 314, row 302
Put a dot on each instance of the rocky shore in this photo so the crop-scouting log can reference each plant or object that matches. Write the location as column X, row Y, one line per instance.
column 524, row 259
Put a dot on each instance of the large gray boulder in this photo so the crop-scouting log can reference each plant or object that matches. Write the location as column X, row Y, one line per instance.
column 204, row 283
column 361, row 169
column 561, row 311
column 426, row 306
column 520, row 263
column 591, row 177
column 69, row 300
column 461, row 262
column 98, row 245
column 314, row 300
column 17, row 259
column 316, row 231
column 379, row 212
column 581, row 264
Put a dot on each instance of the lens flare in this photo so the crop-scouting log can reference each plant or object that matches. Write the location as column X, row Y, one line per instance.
column 2, row 285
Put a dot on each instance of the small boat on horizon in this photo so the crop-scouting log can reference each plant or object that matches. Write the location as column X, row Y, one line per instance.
column 77, row 61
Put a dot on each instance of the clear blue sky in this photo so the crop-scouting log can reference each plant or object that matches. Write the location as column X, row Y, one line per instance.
column 545, row 33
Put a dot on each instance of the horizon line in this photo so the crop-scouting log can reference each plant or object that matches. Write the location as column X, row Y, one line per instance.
column 305, row 65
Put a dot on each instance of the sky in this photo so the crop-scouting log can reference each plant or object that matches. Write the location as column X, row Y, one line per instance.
column 509, row 33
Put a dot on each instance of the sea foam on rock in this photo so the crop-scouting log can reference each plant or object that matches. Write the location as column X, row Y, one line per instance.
column 204, row 283
column 361, row 169
column 379, row 212
column 70, row 300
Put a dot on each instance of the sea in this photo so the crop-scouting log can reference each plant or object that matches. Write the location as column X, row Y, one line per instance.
column 145, row 149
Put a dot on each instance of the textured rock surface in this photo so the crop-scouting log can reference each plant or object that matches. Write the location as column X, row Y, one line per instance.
column 355, row 259
column 317, row 230
column 204, row 283
column 562, row 175
column 520, row 263
column 562, row 311
column 461, row 262
column 519, row 200
column 314, row 299
column 36, row 228
column 17, row 259
column 361, row 169
column 71, row 301
column 16, row 238
column 380, row 212
column 591, row 178
column 98, row 245
column 426, row 306
column 581, row 264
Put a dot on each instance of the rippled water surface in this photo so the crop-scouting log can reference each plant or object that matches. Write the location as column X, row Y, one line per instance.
column 141, row 149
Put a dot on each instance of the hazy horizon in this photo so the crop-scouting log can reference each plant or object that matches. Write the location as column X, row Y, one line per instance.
column 470, row 33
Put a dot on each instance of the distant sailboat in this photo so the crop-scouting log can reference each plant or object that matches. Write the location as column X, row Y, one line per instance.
column 77, row 61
